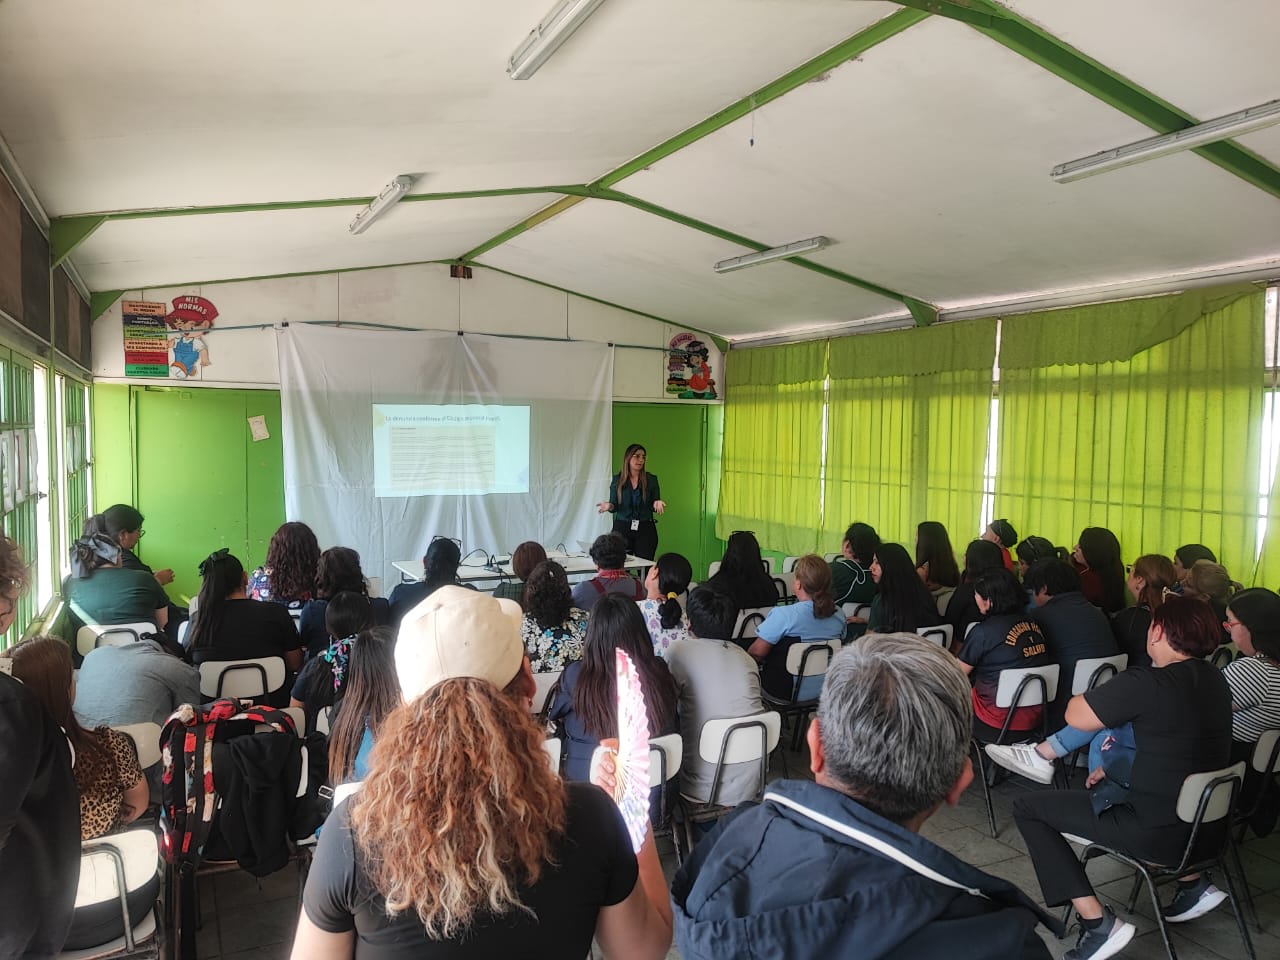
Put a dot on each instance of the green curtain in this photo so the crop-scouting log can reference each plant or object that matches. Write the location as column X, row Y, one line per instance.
column 1160, row 445
column 769, row 480
column 907, row 430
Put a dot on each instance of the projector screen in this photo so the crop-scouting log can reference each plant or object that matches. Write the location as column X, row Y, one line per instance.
column 465, row 450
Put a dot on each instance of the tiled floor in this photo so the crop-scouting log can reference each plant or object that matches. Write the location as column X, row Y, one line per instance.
column 244, row 918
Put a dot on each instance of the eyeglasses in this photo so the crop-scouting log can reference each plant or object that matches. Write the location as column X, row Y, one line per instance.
column 1231, row 623
column 451, row 539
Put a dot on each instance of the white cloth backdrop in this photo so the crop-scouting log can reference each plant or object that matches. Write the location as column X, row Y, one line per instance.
column 329, row 380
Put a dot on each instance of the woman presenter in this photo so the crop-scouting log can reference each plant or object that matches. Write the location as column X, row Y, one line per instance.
column 634, row 498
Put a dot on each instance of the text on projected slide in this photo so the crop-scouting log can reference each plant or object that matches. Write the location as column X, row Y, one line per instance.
column 449, row 450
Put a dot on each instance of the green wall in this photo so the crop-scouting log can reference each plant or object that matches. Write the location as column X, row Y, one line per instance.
column 683, row 444
column 185, row 458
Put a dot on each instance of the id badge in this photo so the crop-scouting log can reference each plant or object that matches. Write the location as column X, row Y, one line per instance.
column 635, row 524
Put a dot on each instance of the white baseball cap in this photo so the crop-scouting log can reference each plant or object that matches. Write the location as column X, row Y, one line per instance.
column 458, row 633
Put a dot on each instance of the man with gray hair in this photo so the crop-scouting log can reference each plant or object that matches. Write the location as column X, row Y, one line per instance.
column 836, row 867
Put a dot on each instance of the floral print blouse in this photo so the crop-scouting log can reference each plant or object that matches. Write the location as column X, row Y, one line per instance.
column 554, row 648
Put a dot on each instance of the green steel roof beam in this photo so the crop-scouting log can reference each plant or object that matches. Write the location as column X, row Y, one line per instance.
column 67, row 233
column 1064, row 61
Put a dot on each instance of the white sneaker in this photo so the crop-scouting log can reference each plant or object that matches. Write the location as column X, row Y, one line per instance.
column 1022, row 759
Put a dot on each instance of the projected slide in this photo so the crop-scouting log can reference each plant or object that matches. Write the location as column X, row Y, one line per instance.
column 454, row 450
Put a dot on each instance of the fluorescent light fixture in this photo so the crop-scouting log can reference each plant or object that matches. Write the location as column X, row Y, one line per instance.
column 383, row 202
column 773, row 253
column 545, row 39
column 1211, row 131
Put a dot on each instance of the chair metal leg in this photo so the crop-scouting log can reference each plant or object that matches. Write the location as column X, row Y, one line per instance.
column 1234, row 854
column 1234, row 896
column 986, row 789
column 1160, row 921
column 1133, row 894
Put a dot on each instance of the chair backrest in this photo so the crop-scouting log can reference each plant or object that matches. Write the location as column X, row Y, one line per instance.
column 941, row 634
column 968, row 628
column 1223, row 655
column 713, row 568
column 861, row 610
column 748, row 620
column 1209, row 796
column 146, row 741
column 552, row 747
column 783, row 586
column 183, row 629
column 241, row 678
column 297, row 714
column 542, row 684
column 110, row 635
column 1096, row 671
column 810, row 658
column 829, row 556
column 767, row 563
column 665, row 756
column 739, row 740
column 322, row 720
column 1027, row 686
column 1266, row 754
column 344, row 790
column 132, row 854
column 789, row 564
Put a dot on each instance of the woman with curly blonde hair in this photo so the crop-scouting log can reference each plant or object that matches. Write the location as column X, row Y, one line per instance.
column 463, row 842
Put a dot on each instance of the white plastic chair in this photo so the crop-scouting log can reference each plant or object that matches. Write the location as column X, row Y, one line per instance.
column 713, row 568
column 93, row 635
column 552, row 747
column 146, row 741
column 111, row 868
column 542, row 684
column 941, row 634
column 1096, row 671
column 665, row 756
column 861, row 610
column 243, row 679
column 942, row 598
column 748, row 620
column 183, row 629
column 789, row 564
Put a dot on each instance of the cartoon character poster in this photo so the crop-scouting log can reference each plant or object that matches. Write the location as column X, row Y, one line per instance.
column 188, row 353
column 689, row 368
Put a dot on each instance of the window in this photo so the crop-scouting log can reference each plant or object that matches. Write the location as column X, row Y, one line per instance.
column 18, row 492
column 73, row 473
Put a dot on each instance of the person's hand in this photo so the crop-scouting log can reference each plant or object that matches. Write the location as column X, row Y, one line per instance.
column 855, row 619
column 602, row 506
column 604, row 766
column 1095, row 777
column 164, row 577
column 659, row 506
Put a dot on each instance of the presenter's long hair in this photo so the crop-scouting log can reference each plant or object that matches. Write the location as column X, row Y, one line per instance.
column 624, row 475
column 460, row 808
column 617, row 624
column 222, row 575
column 292, row 558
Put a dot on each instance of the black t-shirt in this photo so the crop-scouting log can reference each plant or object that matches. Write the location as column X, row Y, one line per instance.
column 1181, row 716
column 250, row 629
column 962, row 608
column 753, row 592
column 594, row 868
column 1130, row 627
column 1075, row 630
column 1002, row 642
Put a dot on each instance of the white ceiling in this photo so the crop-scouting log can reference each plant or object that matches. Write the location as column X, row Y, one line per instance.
column 926, row 160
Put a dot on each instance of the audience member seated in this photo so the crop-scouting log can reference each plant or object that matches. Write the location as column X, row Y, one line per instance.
column 553, row 629
column 523, row 559
column 851, row 571
column 337, row 572
column 39, row 813
column 936, row 558
column 230, row 626
column 1001, row 533
column 495, row 856
column 1185, row 557
column 1253, row 618
column 1209, row 582
column 133, row 683
column 1073, row 627
column 1097, row 558
column 663, row 616
column 1005, row 639
column 584, row 707
column 289, row 574
column 439, row 568
column 742, row 574
column 101, row 591
column 1149, row 578
column 1033, row 549
column 112, row 789
column 609, row 554
column 903, row 602
column 1178, row 714
column 836, row 867
column 813, row 617
column 962, row 609
column 123, row 524
column 321, row 681
column 369, row 692
column 715, row 679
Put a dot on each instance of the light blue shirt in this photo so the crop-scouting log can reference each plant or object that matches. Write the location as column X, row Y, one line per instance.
column 797, row 620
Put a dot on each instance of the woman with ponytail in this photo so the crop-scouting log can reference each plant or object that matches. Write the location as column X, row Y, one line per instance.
column 369, row 692
column 463, row 842
column 663, row 615
column 230, row 626
column 812, row 617
column 1149, row 578
column 102, row 590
